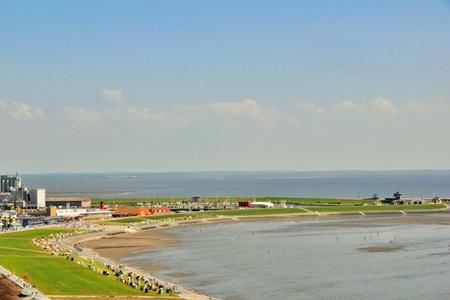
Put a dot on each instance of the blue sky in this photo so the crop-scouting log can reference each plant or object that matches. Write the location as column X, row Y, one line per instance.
column 224, row 85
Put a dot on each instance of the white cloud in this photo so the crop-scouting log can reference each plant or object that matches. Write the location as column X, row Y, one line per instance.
column 82, row 115
column 382, row 105
column 112, row 95
column 347, row 105
column 310, row 107
column 248, row 109
column 20, row 111
column 130, row 114
column 179, row 115
column 143, row 114
column 117, row 112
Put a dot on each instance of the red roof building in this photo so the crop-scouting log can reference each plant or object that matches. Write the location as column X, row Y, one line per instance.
column 140, row 211
column 131, row 212
column 160, row 210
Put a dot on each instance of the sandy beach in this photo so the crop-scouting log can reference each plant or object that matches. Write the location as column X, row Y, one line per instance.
column 116, row 246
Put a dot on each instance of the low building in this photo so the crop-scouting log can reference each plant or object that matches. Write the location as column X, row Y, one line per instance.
column 261, row 205
column 131, row 212
column 392, row 200
column 68, row 202
column 78, row 212
column 32, row 221
column 399, row 200
column 159, row 210
column 140, row 211
column 244, row 203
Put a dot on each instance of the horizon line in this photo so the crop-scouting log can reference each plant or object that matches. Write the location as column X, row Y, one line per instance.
column 223, row 171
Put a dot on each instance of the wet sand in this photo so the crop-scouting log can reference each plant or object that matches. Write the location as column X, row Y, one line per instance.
column 124, row 244
column 380, row 249
column 376, row 220
column 109, row 298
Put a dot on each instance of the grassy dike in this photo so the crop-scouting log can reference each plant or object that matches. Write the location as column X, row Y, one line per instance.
column 207, row 214
column 273, row 212
column 54, row 275
column 294, row 200
column 376, row 208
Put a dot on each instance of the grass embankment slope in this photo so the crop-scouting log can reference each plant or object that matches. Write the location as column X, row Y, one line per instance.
column 376, row 208
column 210, row 213
column 273, row 211
column 54, row 275
column 293, row 200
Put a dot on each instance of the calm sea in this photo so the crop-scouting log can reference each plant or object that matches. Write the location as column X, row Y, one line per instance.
column 314, row 184
column 302, row 259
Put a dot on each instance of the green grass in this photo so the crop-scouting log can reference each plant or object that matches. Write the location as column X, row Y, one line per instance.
column 321, row 201
column 294, row 200
column 210, row 213
column 270, row 211
column 374, row 208
column 54, row 275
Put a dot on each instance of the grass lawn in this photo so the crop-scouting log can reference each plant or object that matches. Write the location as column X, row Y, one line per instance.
column 210, row 213
column 271, row 211
column 374, row 208
column 295, row 200
column 54, row 275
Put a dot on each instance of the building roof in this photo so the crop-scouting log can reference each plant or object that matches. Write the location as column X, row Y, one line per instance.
column 131, row 211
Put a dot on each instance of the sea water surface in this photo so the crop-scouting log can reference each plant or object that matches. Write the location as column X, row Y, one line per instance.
column 308, row 259
column 271, row 183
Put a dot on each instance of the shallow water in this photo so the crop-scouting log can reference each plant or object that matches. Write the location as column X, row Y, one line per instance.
column 309, row 259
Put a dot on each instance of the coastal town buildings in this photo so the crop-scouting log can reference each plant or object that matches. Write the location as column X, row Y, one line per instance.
column 10, row 184
column 13, row 194
column 78, row 212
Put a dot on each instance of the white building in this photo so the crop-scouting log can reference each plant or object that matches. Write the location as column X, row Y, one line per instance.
column 261, row 204
column 37, row 198
column 79, row 212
